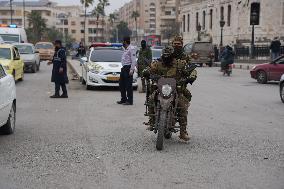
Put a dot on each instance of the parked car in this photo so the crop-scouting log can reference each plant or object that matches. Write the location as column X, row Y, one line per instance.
column 46, row 50
column 7, row 102
column 281, row 86
column 269, row 71
column 11, row 61
column 200, row 52
column 29, row 55
column 103, row 65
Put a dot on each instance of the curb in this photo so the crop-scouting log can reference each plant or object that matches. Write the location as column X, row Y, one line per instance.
column 74, row 70
column 237, row 66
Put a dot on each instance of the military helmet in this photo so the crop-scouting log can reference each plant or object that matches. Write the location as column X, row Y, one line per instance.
column 167, row 51
column 177, row 38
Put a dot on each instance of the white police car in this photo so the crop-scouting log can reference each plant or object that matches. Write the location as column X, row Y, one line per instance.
column 103, row 65
column 7, row 102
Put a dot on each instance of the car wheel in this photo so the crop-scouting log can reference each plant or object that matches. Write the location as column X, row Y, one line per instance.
column 9, row 127
column 282, row 91
column 83, row 81
column 88, row 87
column 34, row 68
column 38, row 65
column 261, row 77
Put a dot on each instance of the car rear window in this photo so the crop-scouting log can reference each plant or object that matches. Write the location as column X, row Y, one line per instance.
column 202, row 47
column 25, row 49
column 44, row 46
column 5, row 53
column 106, row 55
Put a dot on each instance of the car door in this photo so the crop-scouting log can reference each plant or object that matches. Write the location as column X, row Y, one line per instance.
column 18, row 63
column 4, row 102
column 277, row 69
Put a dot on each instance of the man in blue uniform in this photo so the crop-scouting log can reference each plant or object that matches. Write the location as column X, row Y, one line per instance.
column 59, row 71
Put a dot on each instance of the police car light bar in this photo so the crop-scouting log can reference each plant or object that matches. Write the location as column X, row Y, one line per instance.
column 8, row 26
column 106, row 45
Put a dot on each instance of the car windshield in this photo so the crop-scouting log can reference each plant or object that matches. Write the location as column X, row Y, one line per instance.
column 106, row 55
column 44, row 46
column 10, row 38
column 5, row 53
column 156, row 53
column 202, row 47
column 25, row 49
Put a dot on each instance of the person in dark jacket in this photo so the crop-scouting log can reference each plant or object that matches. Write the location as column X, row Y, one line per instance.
column 59, row 70
column 275, row 48
column 227, row 57
column 216, row 53
column 81, row 51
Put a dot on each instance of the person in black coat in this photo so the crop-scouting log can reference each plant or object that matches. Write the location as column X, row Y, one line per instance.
column 275, row 48
column 59, row 71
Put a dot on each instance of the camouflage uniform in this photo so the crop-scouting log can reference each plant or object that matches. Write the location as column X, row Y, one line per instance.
column 178, row 71
column 144, row 59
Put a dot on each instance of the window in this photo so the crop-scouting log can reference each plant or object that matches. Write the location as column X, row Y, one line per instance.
column 92, row 31
column 2, row 72
column 168, row 13
column 73, row 23
column 5, row 53
column 73, row 31
column 222, row 13
column 229, row 15
column 197, row 20
column 203, row 20
column 65, row 22
column 183, row 23
column 188, row 22
column 211, row 19
column 65, row 31
column 92, row 22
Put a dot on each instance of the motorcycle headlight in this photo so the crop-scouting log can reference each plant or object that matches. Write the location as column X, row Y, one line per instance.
column 166, row 90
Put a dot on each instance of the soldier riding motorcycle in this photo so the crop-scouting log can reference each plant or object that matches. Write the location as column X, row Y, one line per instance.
column 167, row 98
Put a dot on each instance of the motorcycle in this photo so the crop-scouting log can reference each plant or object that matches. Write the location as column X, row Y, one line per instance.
column 165, row 107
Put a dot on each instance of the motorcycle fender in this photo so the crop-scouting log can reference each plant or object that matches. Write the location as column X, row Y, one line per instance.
column 165, row 103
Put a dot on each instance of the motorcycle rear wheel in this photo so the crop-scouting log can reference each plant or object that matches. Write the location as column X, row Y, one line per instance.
column 161, row 131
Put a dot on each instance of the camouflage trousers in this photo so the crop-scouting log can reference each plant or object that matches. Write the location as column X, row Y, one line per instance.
column 182, row 109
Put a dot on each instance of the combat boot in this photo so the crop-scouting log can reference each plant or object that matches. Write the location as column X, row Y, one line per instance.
column 183, row 134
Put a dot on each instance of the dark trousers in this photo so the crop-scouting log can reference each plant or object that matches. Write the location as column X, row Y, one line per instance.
column 125, row 85
column 63, row 87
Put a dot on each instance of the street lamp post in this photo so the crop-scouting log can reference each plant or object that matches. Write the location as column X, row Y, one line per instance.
column 254, row 17
column 198, row 30
column 222, row 24
column 11, row 11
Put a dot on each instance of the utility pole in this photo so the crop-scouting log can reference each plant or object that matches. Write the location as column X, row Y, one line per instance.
column 24, row 7
column 11, row 11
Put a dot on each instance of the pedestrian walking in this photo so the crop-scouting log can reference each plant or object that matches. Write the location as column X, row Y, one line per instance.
column 216, row 54
column 275, row 48
column 81, row 52
column 59, row 70
column 144, row 60
column 128, row 61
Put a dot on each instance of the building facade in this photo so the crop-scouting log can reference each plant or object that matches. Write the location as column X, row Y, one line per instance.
column 207, row 14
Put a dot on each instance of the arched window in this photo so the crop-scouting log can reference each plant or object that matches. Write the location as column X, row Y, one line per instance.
column 203, row 20
column 211, row 19
column 188, row 22
column 222, row 13
column 183, row 21
column 229, row 15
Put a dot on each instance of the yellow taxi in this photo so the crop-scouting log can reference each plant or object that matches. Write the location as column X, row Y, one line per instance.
column 11, row 61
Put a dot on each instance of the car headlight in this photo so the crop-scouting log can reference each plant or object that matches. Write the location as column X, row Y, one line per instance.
column 167, row 90
column 253, row 67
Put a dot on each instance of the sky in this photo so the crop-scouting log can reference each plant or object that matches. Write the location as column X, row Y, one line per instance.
column 114, row 4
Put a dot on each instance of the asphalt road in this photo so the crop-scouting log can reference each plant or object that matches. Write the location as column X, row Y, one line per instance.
column 88, row 141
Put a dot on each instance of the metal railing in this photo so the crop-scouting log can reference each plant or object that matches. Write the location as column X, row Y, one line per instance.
column 260, row 52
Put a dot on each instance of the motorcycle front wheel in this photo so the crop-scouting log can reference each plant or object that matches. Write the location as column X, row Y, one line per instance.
column 161, row 130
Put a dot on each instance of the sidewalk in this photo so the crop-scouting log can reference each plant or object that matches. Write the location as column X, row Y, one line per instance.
column 237, row 65
column 75, row 67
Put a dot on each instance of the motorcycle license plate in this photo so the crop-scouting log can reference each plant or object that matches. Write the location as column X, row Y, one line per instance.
column 113, row 78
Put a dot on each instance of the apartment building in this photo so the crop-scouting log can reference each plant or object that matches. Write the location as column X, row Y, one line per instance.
column 236, row 14
column 67, row 19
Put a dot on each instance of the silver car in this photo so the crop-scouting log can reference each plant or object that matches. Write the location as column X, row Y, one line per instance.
column 281, row 85
column 29, row 55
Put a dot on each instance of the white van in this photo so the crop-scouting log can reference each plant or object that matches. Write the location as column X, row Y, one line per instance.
column 12, row 34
